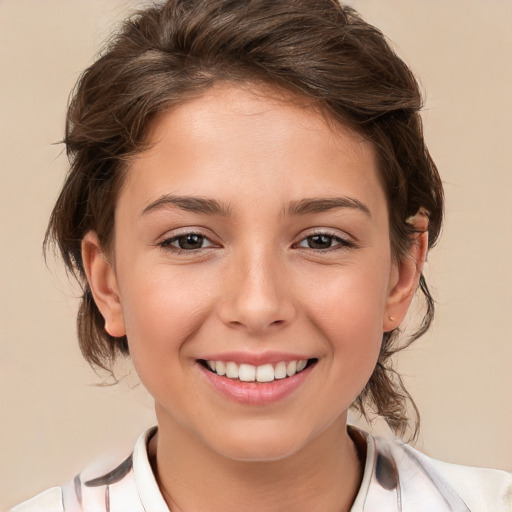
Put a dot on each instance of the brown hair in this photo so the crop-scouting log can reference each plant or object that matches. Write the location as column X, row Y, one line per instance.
column 170, row 52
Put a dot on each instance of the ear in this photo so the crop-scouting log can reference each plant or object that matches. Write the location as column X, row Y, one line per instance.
column 406, row 275
column 103, row 284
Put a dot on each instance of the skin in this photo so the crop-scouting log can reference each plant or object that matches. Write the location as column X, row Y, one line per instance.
column 257, row 284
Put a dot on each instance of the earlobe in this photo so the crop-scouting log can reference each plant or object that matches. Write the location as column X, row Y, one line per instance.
column 407, row 274
column 103, row 284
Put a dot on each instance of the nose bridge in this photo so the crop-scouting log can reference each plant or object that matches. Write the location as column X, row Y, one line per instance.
column 258, row 297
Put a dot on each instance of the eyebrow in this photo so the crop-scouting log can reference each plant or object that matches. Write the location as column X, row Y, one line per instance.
column 213, row 207
column 190, row 204
column 320, row 205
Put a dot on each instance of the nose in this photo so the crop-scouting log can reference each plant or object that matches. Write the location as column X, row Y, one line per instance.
column 257, row 295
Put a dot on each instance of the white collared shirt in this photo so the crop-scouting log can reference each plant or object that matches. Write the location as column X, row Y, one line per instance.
column 397, row 478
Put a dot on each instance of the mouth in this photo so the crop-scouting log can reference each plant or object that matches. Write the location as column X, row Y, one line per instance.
column 263, row 374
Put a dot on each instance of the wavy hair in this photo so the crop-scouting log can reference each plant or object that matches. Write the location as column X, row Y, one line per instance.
column 176, row 50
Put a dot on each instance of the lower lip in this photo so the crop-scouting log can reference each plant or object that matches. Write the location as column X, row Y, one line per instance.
column 256, row 393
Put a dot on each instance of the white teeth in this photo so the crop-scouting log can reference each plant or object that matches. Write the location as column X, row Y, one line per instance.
column 280, row 370
column 220, row 367
column 232, row 370
column 264, row 373
column 247, row 372
column 301, row 365
column 291, row 368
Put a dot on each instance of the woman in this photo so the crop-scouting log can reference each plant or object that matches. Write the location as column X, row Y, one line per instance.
column 249, row 207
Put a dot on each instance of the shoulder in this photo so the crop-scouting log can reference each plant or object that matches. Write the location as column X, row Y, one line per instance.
column 102, row 485
column 106, row 484
column 478, row 489
column 485, row 489
column 48, row 501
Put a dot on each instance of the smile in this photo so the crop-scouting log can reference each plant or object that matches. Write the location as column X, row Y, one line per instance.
column 256, row 384
column 264, row 373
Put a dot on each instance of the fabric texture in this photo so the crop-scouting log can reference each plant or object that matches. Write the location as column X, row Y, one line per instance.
column 397, row 478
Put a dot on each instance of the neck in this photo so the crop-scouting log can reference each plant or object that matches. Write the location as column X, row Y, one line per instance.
column 322, row 476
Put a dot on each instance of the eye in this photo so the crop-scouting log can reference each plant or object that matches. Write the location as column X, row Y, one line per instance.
column 187, row 242
column 323, row 241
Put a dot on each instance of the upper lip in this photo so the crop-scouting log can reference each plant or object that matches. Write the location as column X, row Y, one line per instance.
column 256, row 358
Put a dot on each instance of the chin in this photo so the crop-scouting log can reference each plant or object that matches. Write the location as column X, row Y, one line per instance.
column 259, row 453
column 263, row 446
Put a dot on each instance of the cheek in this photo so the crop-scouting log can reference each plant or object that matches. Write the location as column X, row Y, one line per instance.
column 162, row 310
column 347, row 307
column 350, row 299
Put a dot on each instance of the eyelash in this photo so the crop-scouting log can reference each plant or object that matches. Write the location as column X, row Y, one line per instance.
column 167, row 243
column 341, row 243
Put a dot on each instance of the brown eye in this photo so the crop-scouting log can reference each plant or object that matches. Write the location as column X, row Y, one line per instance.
column 324, row 242
column 320, row 241
column 190, row 241
column 187, row 242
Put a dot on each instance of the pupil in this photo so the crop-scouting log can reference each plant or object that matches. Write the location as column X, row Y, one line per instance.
column 190, row 241
column 319, row 242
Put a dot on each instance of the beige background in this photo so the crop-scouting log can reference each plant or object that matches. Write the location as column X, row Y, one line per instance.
column 53, row 417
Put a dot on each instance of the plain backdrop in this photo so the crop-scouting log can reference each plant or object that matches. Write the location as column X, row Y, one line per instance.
column 55, row 418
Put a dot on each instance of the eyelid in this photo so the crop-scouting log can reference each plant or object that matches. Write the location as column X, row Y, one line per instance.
column 345, row 241
column 166, row 240
column 173, row 239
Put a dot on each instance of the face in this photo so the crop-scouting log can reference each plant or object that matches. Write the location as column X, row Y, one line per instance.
column 251, row 271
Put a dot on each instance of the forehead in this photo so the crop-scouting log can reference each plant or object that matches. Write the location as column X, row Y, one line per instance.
column 237, row 142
